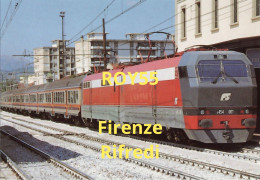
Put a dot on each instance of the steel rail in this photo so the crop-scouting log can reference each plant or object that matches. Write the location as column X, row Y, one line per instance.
column 216, row 152
column 76, row 173
column 163, row 169
column 14, row 166
column 212, row 167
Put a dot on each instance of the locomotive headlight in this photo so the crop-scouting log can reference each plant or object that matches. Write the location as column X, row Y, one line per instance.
column 202, row 112
column 250, row 122
column 247, row 111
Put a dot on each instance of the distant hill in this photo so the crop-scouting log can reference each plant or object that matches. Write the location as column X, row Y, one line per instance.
column 18, row 64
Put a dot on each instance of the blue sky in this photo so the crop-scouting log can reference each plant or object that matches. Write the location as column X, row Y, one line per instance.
column 37, row 22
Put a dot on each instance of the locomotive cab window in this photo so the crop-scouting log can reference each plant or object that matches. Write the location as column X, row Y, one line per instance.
column 211, row 70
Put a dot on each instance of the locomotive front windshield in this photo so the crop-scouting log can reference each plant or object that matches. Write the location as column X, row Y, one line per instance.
column 210, row 70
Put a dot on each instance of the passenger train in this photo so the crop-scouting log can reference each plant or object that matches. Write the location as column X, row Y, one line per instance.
column 205, row 96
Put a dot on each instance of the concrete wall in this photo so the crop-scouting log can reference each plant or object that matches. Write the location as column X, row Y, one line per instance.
column 248, row 23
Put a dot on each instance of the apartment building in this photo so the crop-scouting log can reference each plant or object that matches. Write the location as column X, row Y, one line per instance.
column 52, row 63
column 232, row 24
column 27, row 79
column 89, row 52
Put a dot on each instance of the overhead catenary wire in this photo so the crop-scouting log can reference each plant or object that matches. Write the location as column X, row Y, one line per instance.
column 6, row 14
column 115, row 17
column 84, row 28
column 164, row 21
column 192, row 19
column 16, row 7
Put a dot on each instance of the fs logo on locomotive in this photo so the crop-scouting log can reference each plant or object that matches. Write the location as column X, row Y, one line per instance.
column 225, row 97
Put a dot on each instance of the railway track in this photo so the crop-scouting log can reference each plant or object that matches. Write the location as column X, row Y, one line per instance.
column 163, row 169
column 208, row 166
column 18, row 172
column 211, row 151
column 216, row 152
column 65, row 167
column 251, row 150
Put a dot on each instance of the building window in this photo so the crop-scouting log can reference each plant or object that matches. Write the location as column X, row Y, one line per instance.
column 131, row 49
column 234, row 11
column 183, row 22
column 116, row 47
column 198, row 18
column 215, row 14
column 162, row 48
column 257, row 7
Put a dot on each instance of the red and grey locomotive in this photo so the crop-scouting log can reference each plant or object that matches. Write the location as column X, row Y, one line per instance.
column 206, row 96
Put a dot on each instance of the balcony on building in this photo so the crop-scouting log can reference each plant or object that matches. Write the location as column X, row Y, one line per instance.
column 146, row 48
column 100, row 47
column 146, row 56
column 95, row 35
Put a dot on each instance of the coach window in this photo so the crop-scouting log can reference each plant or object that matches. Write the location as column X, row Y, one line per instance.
column 27, row 98
column 55, row 97
column 32, row 98
column 62, row 97
column 40, row 98
column 48, row 97
column 73, row 97
column 17, row 99
column 59, row 97
column 70, row 94
column 22, row 98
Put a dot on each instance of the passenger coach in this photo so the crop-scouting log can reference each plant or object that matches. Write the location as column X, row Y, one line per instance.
column 205, row 96
column 57, row 100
